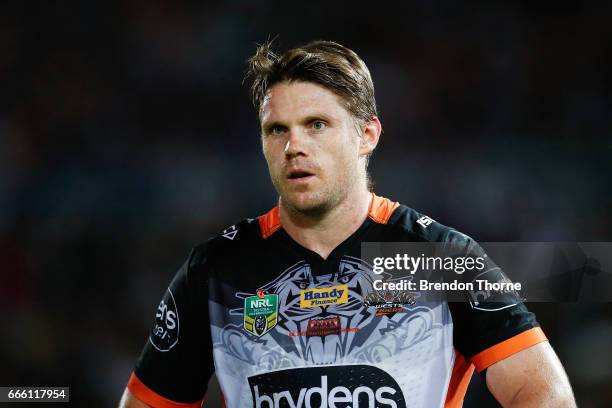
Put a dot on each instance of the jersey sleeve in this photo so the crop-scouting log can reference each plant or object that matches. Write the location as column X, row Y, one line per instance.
column 176, row 363
column 489, row 326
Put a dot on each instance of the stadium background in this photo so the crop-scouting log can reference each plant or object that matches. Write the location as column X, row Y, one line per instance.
column 126, row 137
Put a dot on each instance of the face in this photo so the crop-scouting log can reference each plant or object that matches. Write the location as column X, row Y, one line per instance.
column 312, row 145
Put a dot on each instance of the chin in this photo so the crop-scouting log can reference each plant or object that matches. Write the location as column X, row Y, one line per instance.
column 310, row 204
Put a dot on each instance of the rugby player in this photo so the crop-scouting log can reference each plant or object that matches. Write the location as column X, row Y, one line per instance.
column 275, row 305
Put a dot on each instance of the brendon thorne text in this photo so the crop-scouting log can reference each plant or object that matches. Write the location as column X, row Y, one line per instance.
column 455, row 285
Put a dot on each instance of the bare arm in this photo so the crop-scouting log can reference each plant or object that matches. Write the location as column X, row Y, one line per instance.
column 128, row 400
column 533, row 377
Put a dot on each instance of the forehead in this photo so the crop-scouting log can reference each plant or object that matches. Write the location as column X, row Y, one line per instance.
column 291, row 100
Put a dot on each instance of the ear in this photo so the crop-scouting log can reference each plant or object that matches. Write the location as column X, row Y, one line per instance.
column 370, row 132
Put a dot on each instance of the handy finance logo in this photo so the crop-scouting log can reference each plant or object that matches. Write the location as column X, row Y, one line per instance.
column 318, row 297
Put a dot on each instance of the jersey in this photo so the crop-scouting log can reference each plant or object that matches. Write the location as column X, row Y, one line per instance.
column 283, row 327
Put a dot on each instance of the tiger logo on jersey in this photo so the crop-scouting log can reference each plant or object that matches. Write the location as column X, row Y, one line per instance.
column 321, row 313
column 330, row 333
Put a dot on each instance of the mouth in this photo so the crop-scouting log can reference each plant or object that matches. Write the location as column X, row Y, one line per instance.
column 298, row 176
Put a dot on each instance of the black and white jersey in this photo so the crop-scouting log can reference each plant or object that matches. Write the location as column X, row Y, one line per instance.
column 283, row 327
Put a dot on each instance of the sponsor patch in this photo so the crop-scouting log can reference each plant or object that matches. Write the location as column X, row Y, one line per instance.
column 490, row 300
column 317, row 297
column 360, row 386
column 165, row 332
column 323, row 326
column 260, row 313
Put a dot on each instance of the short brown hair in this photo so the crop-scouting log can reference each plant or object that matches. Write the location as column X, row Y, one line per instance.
column 326, row 63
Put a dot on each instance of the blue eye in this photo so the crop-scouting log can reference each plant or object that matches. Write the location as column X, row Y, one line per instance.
column 277, row 130
column 318, row 125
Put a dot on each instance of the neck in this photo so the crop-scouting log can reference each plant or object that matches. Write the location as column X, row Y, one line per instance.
column 322, row 233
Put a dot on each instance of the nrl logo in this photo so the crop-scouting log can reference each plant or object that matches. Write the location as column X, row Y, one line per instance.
column 260, row 313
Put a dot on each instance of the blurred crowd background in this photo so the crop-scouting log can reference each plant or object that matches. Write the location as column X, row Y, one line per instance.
column 127, row 136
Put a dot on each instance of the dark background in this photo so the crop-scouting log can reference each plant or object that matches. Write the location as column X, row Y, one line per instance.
column 126, row 137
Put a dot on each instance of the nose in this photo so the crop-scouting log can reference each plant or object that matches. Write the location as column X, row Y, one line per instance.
column 296, row 145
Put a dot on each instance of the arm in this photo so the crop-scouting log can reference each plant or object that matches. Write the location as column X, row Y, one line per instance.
column 128, row 400
column 176, row 362
column 533, row 377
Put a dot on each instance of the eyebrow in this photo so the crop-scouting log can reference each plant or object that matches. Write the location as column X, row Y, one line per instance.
column 318, row 116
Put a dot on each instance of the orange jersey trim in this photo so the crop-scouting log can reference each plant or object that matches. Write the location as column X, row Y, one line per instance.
column 508, row 347
column 381, row 209
column 460, row 379
column 269, row 222
column 153, row 399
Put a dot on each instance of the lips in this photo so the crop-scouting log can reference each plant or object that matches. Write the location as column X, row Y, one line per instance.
column 299, row 174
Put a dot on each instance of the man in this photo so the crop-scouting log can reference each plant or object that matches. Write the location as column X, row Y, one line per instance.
column 278, row 302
